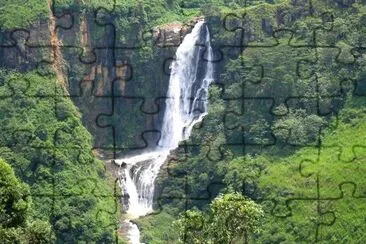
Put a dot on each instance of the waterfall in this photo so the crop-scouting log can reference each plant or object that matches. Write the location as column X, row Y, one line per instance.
column 186, row 105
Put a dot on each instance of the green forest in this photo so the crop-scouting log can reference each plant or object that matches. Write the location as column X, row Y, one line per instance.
column 280, row 156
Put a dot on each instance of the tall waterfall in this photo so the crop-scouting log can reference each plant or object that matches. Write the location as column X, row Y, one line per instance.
column 186, row 105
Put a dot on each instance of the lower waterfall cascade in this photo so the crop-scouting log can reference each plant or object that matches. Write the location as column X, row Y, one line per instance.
column 191, row 74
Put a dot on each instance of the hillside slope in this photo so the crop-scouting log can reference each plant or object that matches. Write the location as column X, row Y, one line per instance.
column 43, row 139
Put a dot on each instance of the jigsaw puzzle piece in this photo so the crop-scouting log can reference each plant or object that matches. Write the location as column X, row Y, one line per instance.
column 184, row 195
column 237, row 33
column 248, row 29
column 39, row 175
column 304, row 120
column 66, row 224
column 359, row 83
column 6, row 38
column 110, row 211
column 62, row 12
column 177, row 171
column 109, row 18
column 309, row 218
column 211, row 153
column 89, row 119
column 138, row 71
column 208, row 136
column 174, row 166
column 289, row 180
column 349, row 210
column 259, row 73
column 77, row 29
column 315, row 24
column 332, row 62
column 20, row 55
column 26, row 87
column 41, row 30
column 98, row 75
column 298, row 129
column 86, row 192
column 242, row 125
column 243, row 174
column 332, row 28
column 6, row 88
column 337, row 164
column 294, row 220
column 138, row 132
column 84, row 73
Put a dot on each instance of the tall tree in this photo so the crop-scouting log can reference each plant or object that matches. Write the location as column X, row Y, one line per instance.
column 16, row 225
column 231, row 218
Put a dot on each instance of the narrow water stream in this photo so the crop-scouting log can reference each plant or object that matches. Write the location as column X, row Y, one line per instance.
column 186, row 105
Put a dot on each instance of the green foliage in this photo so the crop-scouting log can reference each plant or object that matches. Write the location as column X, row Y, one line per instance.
column 16, row 225
column 333, row 166
column 191, row 227
column 157, row 228
column 39, row 231
column 20, row 13
column 43, row 139
column 242, row 174
column 298, row 128
column 14, row 200
column 231, row 218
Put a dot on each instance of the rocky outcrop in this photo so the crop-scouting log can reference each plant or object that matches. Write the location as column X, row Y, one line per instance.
column 172, row 34
column 118, row 173
column 58, row 63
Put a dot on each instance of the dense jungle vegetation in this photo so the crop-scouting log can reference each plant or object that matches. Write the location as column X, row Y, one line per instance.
column 283, row 142
column 60, row 184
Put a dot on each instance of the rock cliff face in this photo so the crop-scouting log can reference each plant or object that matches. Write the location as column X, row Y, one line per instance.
column 94, row 64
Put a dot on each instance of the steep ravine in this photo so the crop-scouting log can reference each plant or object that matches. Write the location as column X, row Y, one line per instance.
column 58, row 62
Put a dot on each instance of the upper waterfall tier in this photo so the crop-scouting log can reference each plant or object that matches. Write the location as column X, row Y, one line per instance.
column 188, row 87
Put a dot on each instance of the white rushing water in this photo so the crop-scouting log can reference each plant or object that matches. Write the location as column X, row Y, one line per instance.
column 186, row 105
